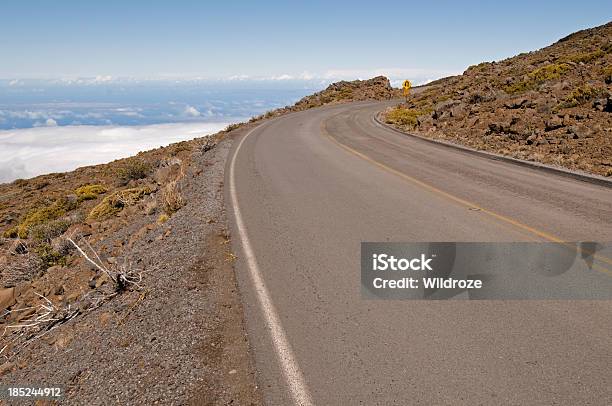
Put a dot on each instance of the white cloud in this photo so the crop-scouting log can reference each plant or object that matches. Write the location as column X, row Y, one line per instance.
column 395, row 75
column 282, row 77
column 306, row 76
column 25, row 153
column 192, row 112
column 15, row 82
column 26, row 114
column 102, row 79
column 239, row 77
column 48, row 123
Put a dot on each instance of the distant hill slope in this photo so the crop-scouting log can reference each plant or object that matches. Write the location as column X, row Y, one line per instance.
column 553, row 105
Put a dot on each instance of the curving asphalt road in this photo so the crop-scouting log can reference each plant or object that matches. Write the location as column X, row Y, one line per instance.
column 304, row 191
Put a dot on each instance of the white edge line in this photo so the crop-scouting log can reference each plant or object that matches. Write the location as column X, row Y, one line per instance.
column 288, row 364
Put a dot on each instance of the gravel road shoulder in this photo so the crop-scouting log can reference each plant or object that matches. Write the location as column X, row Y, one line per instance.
column 181, row 339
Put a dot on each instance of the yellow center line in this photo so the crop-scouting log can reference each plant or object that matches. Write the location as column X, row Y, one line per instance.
column 461, row 201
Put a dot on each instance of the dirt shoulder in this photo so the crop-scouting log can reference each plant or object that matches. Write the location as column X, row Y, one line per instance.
column 177, row 338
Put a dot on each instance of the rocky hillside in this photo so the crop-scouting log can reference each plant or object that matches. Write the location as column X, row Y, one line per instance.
column 553, row 105
column 377, row 88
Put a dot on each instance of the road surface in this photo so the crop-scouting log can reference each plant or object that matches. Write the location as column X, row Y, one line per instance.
column 304, row 191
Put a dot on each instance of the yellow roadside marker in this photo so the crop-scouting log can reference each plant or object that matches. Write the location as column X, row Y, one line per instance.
column 406, row 86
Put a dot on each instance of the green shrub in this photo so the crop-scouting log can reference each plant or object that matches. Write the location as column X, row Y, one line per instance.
column 580, row 95
column 586, row 57
column 519, row 87
column 133, row 169
column 47, row 231
column 549, row 72
column 537, row 76
column 49, row 256
column 43, row 215
column 115, row 202
column 403, row 116
column 89, row 192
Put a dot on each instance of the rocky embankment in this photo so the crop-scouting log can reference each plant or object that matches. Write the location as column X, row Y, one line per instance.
column 552, row 106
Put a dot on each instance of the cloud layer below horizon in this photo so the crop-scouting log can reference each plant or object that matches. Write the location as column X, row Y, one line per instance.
column 30, row 152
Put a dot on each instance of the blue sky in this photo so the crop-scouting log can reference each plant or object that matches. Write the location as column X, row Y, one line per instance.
column 276, row 39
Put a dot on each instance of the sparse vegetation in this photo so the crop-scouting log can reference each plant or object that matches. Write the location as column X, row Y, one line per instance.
column 44, row 214
column 549, row 72
column 133, row 169
column 519, row 87
column 585, row 57
column 90, row 192
column 163, row 218
column 47, row 231
column 345, row 93
column 115, row 202
column 172, row 198
column 538, row 76
column 48, row 256
column 580, row 95
column 232, row 127
column 22, row 266
column 404, row 116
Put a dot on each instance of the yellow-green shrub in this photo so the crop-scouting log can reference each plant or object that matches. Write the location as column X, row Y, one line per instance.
column 403, row 116
column 549, row 72
column 581, row 95
column 345, row 93
column 90, row 192
column 49, row 256
column 586, row 56
column 519, row 87
column 539, row 75
column 43, row 215
column 115, row 202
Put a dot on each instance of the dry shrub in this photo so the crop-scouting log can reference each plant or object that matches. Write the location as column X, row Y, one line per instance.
column 172, row 198
column 114, row 203
column 17, row 263
column 133, row 169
